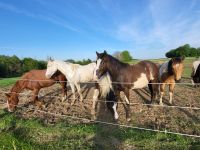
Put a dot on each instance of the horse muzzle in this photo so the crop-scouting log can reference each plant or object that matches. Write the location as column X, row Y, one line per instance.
column 178, row 81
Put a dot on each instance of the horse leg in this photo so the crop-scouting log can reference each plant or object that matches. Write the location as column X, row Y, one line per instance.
column 155, row 89
column 73, row 91
column 35, row 97
column 79, row 91
column 94, row 101
column 128, row 115
column 162, row 88
column 64, row 90
column 151, row 91
column 114, row 107
column 171, row 90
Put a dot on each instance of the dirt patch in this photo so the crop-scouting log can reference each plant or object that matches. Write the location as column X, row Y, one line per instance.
column 162, row 118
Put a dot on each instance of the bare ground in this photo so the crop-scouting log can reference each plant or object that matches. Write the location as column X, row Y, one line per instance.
column 162, row 118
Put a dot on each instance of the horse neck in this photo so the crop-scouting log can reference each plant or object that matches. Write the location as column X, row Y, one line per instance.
column 62, row 68
column 115, row 67
column 18, row 87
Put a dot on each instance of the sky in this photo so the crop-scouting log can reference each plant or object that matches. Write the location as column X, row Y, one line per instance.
column 76, row 29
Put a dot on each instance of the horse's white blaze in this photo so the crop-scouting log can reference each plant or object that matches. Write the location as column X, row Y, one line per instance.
column 141, row 82
column 115, row 111
column 151, row 76
column 98, row 63
column 8, row 107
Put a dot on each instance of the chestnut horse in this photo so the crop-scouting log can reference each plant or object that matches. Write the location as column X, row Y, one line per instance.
column 27, row 82
column 128, row 77
column 170, row 72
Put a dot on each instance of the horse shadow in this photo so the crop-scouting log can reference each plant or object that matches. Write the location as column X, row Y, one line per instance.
column 104, row 138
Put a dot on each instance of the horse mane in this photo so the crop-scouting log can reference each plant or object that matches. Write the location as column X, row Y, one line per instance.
column 105, row 84
column 17, row 87
column 116, row 61
column 169, row 68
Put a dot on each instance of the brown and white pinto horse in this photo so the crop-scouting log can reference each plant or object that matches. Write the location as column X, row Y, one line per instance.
column 170, row 72
column 128, row 77
column 27, row 82
column 196, row 73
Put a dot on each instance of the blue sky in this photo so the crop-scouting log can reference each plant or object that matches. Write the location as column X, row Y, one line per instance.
column 76, row 29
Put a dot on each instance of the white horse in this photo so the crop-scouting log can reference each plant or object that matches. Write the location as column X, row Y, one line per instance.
column 74, row 73
column 77, row 74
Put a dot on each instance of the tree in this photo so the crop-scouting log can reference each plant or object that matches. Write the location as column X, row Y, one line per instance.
column 125, row 56
column 185, row 50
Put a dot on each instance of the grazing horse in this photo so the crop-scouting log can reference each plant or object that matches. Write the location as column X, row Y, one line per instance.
column 34, row 80
column 170, row 72
column 195, row 73
column 128, row 77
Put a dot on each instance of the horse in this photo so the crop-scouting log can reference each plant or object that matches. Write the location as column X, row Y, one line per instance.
column 169, row 73
column 77, row 74
column 74, row 73
column 195, row 73
column 125, row 77
column 34, row 80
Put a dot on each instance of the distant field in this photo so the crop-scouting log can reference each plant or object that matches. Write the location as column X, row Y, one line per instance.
column 7, row 81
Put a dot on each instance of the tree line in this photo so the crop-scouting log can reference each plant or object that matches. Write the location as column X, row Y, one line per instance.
column 185, row 50
column 12, row 66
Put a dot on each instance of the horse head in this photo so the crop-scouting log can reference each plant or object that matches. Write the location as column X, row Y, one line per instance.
column 12, row 101
column 51, row 68
column 177, row 67
column 101, row 64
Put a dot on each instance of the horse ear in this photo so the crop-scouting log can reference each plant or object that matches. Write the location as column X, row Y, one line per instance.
column 7, row 95
column 97, row 54
column 105, row 52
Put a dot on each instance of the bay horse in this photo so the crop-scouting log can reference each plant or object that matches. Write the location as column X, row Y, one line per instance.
column 169, row 73
column 195, row 73
column 125, row 77
column 34, row 80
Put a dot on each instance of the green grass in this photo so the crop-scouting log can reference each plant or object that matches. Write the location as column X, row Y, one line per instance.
column 8, row 81
column 16, row 133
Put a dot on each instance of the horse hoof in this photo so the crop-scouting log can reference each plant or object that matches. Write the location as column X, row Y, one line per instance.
column 128, row 119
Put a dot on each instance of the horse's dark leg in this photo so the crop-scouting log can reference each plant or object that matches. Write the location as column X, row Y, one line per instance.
column 151, row 91
column 154, row 89
column 128, row 114
column 64, row 90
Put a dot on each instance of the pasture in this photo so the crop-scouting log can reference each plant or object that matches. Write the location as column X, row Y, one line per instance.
column 32, row 128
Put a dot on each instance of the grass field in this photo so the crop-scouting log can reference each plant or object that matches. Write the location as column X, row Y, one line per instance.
column 7, row 81
column 16, row 133
column 30, row 134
